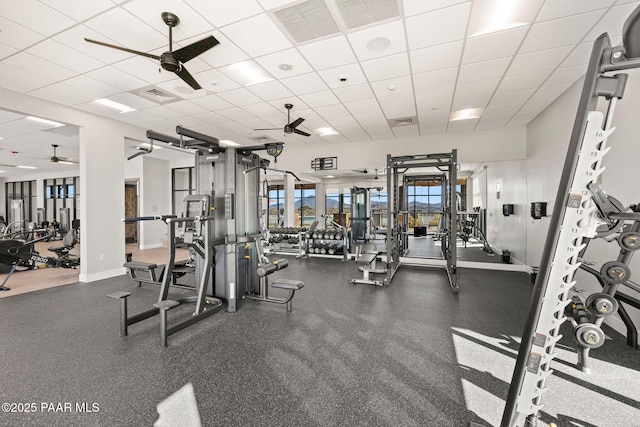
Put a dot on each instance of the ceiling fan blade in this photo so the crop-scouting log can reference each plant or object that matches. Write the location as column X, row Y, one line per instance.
column 269, row 129
column 300, row 132
column 296, row 123
column 137, row 52
column 194, row 49
column 188, row 78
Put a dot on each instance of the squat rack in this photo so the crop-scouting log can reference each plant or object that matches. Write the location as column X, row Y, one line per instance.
column 447, row 163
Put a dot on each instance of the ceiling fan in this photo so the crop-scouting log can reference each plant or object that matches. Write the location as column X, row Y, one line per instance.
column 170, row 60
column 290, row 127
column 56, row 159
column 365, row 171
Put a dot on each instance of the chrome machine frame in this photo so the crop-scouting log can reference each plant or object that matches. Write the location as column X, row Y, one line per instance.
column 573, row 223
column 447, row 163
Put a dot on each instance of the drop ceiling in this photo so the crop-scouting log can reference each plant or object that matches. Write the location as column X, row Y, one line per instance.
column 359, row 67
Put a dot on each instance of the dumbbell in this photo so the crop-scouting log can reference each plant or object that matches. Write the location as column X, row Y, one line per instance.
column 332, row 249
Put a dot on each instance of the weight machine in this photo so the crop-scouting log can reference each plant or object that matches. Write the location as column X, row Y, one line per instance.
column 397, row 228
column 362, row 228
column 580, row 211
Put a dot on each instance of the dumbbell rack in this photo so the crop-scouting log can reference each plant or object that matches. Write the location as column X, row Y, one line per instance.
column 311, row 240
column 284, row 247
column 574, row 220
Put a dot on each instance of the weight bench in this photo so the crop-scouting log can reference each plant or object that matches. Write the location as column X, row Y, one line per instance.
column 291, row 285
column 367, row 264
column 136, row 267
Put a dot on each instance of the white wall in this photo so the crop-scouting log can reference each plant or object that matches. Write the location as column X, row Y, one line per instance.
column 548, row 139
column 155, row 199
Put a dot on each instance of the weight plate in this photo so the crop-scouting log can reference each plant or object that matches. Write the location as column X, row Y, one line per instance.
column 629, row 241
column 615, row 272
column 611, row 226
column 589, row 335
column 601, row 304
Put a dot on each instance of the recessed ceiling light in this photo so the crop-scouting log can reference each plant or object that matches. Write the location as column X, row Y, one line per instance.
column 498, row 15
column 329, row 176
column 44, row 121
column 247, row 73
column 469, row 113
column 228, row 143
column 325, row 131
column 184, row 89
column 115, row 105
column 378, row 44
column 26, row 167
column 285, row 67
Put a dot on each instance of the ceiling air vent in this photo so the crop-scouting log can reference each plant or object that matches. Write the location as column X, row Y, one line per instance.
column 261, row 138
column 306, row 21
column 157, row 95
column 358, row 13
column 404, row 121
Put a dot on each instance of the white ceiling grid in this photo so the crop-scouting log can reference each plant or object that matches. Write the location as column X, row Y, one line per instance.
column 382, row 60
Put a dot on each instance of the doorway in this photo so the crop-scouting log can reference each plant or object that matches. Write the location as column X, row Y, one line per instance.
column 131, row 210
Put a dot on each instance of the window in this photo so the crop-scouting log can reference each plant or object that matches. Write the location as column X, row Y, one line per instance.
column 276, row 203
column 379, row 208
column 61, row 193
column 304, row 204
column 25, row 191
column 182, row 184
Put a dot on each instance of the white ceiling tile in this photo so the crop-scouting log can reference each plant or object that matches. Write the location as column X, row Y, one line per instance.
column 272, row 4
column 61, row 94
column 215, row 81
column 6, row 50
column 523, row 81
column 536, row 105
column 235, row 113
column 354, row 93
column 116, row 78
column 320, row 99
column 74, row 38
column 435, row 79
column 625, row 1
column 393, row 32
column 261, row 109
column 91, row 86
column 493, row 122
column 270, row 90
column 365, row 106
column 486, row 15
column 524, row 117
column 483, row 70
column 559, row 32
column 150, row 11
column 579, row 56
column 186, row 108
column 219, row 16
column 386, row 67
column 17, row 36
column 462, row 126
column 239, row 97
column 127, row 30
column 406, row 131
column 566, row 75
column 164, row 112
column 442, row 95
column 554, row 9
column 39, row 66
column 64, row 56
column 145, row 69
column 257, row 36
column 538, row 61
column 550, row 92
column 212, row 102
column 481, row 88
column 460, row 103
column 402, row 84
column 329, row 111
column 442, row 26
column 394, row 113
column 436, row 57
column 132, row 100
column 398, row 100
column 612, row 22
column 210, row 117
column 306, row 83
column 36, row 16
column 21, row 80
column 493, row 45
column 292, row 57
column 501, row 111
column 352, row 72
column 328, row 53
column 79, row 10
column 224, row 53
column 372, row 119
column 514, row 97
column 414, row 7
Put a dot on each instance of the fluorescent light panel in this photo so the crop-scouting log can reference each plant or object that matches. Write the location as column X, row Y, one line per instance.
column 469, row 113
column 115, row 105
column 326, row 131
column 44, row 121
column 26, row 167
column 228, row 143
column 247, row 73
column 490, row 16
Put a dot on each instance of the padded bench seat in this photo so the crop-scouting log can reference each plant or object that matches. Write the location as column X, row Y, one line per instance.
column 366, row 259
column 293, row 285
column 139, row 265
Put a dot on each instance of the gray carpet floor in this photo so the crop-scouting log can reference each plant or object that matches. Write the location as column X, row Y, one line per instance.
column 411, row 354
